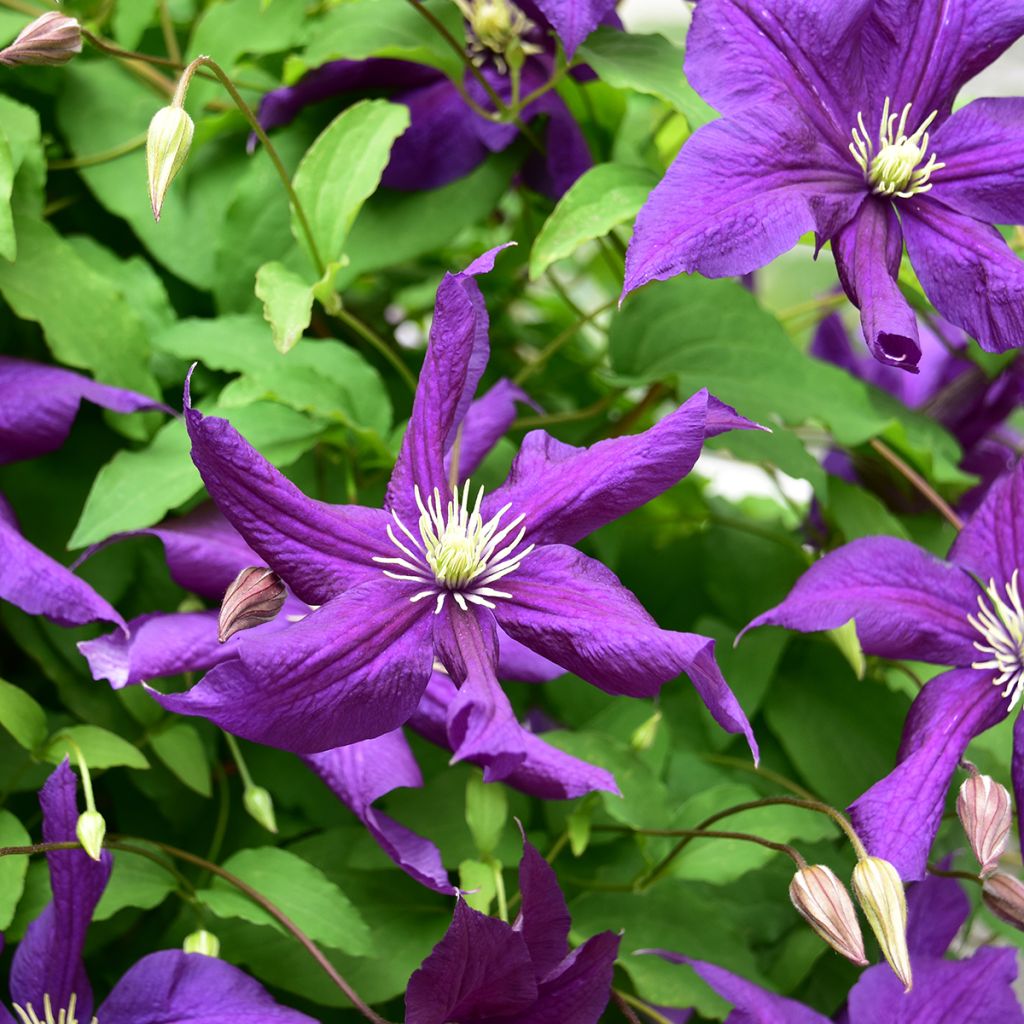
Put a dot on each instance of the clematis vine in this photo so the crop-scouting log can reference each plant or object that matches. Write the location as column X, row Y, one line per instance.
column 977, row 990
column 40, row 404
column 965, row 612
column 441, row 573
column 48, row 982
column 838, row 120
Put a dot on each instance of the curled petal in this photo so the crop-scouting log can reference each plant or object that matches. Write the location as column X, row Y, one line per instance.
column 991, row 544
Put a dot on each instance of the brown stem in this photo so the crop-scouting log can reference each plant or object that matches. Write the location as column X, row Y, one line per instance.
column 624, row 1007
column 644, row 1008
column 934, row 869
column 917, row 481
column 655, row 393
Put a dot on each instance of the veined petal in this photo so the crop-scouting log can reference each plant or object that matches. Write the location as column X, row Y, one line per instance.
column 897, row 818
column 578, row 990
column 936, row 910
column 906, row 603
column 1017, row 768
column 574, row 20
column 742, row 191
column 353, row 669
column 971, row 275
column 991, row 544
column 543, row 918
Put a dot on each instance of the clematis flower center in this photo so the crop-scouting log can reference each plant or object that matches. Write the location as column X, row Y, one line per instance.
column 898, row 166
column 456, row 553
column 27, row 1015
column 1001, row 624
column 496, row 28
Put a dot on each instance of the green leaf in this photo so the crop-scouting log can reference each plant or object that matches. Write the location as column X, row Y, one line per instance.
column 287, row 303
column 486, row 813
column 182, row 751
column 860, row 514
column 20, row 128
column 22, row 717
column 131, row 20
column 12, row 869
column 8, row 242
column 301, row 891
column 100, row 747
column 135, row 882
column 342, row 170
column 605, row 196
column 649, row 64
column 228, row 29
column 476, row 880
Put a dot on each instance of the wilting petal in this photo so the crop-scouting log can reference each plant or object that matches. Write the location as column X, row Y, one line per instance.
column 353, row 669
column 906, row 602
column 189, row 988
column 991, row 544
column 565, row 493
column 48, row 960
column 480, row 970
column 577, row 613
column 363, row 772
column 40, row 404
column 486, row 423
column 39, row 585
column 578, row 990
column 897, row 818
column 319, row 550
column 971, row 275
column 868, row 253
column 574, row 20
column 742, row 191
column 936, row 910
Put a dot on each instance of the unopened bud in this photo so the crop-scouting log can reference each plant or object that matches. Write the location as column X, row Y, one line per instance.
column 167, row 145
column 823, row 902
column 1004, row 896
column 255, row 597
column 260, row 805
column 877, row 886
column 985, row 812
column 53, row 38
column 203, row 942
column 90, row 831
column 646, row 733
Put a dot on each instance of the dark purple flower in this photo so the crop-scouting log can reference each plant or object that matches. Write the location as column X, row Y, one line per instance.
column 978, row 990
column 437, row 575
column 838, row 121
column 965, row 612
column 485, row 971
column 39, row 405
column 48, row 976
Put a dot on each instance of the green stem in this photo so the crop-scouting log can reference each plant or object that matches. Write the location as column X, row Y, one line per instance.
column 644, row 1008
column 236, row 753
column 934, row 869
column 764, row 773
column 562, row 339
column 167, row 28
column 372, row 338
column 104, row 156
column 623, row 1005
column 918, row 482
column 531, row 422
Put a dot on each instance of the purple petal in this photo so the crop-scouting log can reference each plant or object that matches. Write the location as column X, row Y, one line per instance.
column 486, row 423
column 566, row 153
column 353, row 669
column 543, row 919
column 565, row 493
column 970, row 274
column 318, row 549
column 936, row 910
column 868, row 252
column 363, row 772
column 171, row 987
column 991, row 544
column 574, row 20
column 480, row 970
column 517, row 662
column 41, row 402
column 574, row 611
column 897, row 818
column 1017, row 769
column 831, row 343
column 741, row 192
column 48, row 961
column 906, row 602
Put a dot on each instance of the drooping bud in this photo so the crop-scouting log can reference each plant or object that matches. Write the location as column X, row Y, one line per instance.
column 823, row 902
column 167, row 145
column 202, row 941
column 879, row 891
column 255, row 597
column 90, row 832
column 1004, row 896
column 53, row 38
column 646, row 733
column 260, row 805
column 985, row 812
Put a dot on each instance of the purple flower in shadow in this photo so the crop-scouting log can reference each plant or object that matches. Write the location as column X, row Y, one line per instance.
column 47, row 973
column 838, row 120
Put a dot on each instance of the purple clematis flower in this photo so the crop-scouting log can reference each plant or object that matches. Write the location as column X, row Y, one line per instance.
column 978, row 990
column 40, row 404
column 485, row 971
column 48, row 981
column 437, row 575
column 965, row 612
column 446, row 138
column 838, row 119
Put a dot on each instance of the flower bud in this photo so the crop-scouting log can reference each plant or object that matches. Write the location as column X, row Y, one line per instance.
column 255, row 597
column 823, row 902
column 258, row 802
column 90, row 831
column 646, row 733
column 203, row 942
column 877, row 886
column 1004, row 896
column 985, row 812
column 167, row 145
column 53, row 38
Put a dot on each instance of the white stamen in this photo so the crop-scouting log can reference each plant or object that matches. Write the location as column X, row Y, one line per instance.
column 27, row 1014
column 1001, row 624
